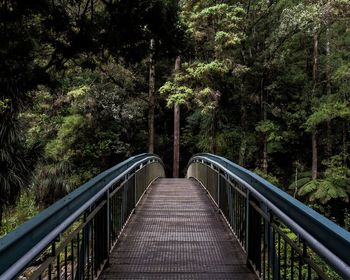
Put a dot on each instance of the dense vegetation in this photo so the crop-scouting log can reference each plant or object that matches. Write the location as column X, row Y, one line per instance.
column 85, row 84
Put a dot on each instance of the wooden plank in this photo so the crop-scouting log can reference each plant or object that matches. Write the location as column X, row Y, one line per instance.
column 177, row 234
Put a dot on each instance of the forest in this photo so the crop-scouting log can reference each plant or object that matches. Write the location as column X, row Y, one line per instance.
column 85, row 84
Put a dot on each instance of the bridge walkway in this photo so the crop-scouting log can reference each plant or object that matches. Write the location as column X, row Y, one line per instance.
column 177, row 233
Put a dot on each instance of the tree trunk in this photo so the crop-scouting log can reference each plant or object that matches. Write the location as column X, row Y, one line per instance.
column 176, row 160
column 213, row 134
column 243, row 145
column 151, row 96
column 314, row 155
column 1, row 214
column 329, row 139
column 314, row 170
column 265, row 164
column 263, row 100
column 345, row 140
column 214, row 124
column 329, row 92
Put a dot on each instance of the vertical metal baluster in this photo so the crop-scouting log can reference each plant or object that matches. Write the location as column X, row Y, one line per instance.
column 232, row 206
column 273, row 255
column 88, row 261
column 120, row 212
column 240, row 217
column 58, row 265
column 279, row 255
column 108, row 223
column 300, row 266
column 72, row 258
column 65, row 262
column 103, row 236
column 243, row 219
column 112, row 220
column 285, row 259
column 305, row 256
column 97, row 241
column 308, row 272
column 235, row 211
column 78, row 256
column 247, row 222
column 92, row 249
column 135, row 192
column 264, row 247
column 53, row 249
column 116, row 222
column 268, row 248
column 261, row 249
column 292, row 263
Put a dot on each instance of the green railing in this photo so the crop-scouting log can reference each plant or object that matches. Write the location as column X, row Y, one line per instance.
column 72, row 239
column 282, row 237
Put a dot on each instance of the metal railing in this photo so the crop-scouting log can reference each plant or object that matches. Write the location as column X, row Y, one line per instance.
column 282, row 237
column 72, row 238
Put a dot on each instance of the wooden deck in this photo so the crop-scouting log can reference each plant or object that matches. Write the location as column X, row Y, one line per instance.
column 177, row 234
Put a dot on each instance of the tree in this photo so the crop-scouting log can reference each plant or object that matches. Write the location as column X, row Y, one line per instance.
column 176, row 160
column 40, row 38
column 151, row 96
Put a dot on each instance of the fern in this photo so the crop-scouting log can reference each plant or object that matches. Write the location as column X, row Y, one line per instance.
column 299, row 183
column 323, row 190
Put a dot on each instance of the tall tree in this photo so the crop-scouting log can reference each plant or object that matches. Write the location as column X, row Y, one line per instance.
column 176, row 157
column 314, row 87
column 151, row 97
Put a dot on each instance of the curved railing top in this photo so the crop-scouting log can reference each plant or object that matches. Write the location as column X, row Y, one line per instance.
column 15, row 244
column 326, row 232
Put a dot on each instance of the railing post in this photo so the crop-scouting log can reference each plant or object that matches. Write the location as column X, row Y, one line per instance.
column 83, row 250
column 108, row 224
column 233, row 206
column 247, row 222
column 271, row 247
column 230, row 190
column 218, row 183
column 135, row 192
column 254, row 235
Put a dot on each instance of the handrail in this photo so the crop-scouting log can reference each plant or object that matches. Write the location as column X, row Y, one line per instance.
column 19, row 247
column 330, row 240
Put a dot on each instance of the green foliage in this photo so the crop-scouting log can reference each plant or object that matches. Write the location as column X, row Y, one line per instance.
column 269, row 177
column 328, row 108
column 300, row 182
column 206, row 71
column 43, row 41
column 4, row 105
column 83, row 129
column 58, row 149
column 176, row 94
column 334, row 185
column 51, row 182
column 25, row 209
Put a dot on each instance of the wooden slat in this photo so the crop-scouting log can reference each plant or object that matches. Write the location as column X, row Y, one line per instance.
column 177, row 234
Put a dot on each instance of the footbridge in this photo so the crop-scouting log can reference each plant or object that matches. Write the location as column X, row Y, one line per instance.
column 220, row 222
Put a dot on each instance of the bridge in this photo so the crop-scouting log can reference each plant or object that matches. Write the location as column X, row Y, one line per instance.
column 220, row 222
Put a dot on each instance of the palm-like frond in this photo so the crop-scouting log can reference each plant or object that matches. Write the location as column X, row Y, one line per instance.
column 51, row 182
